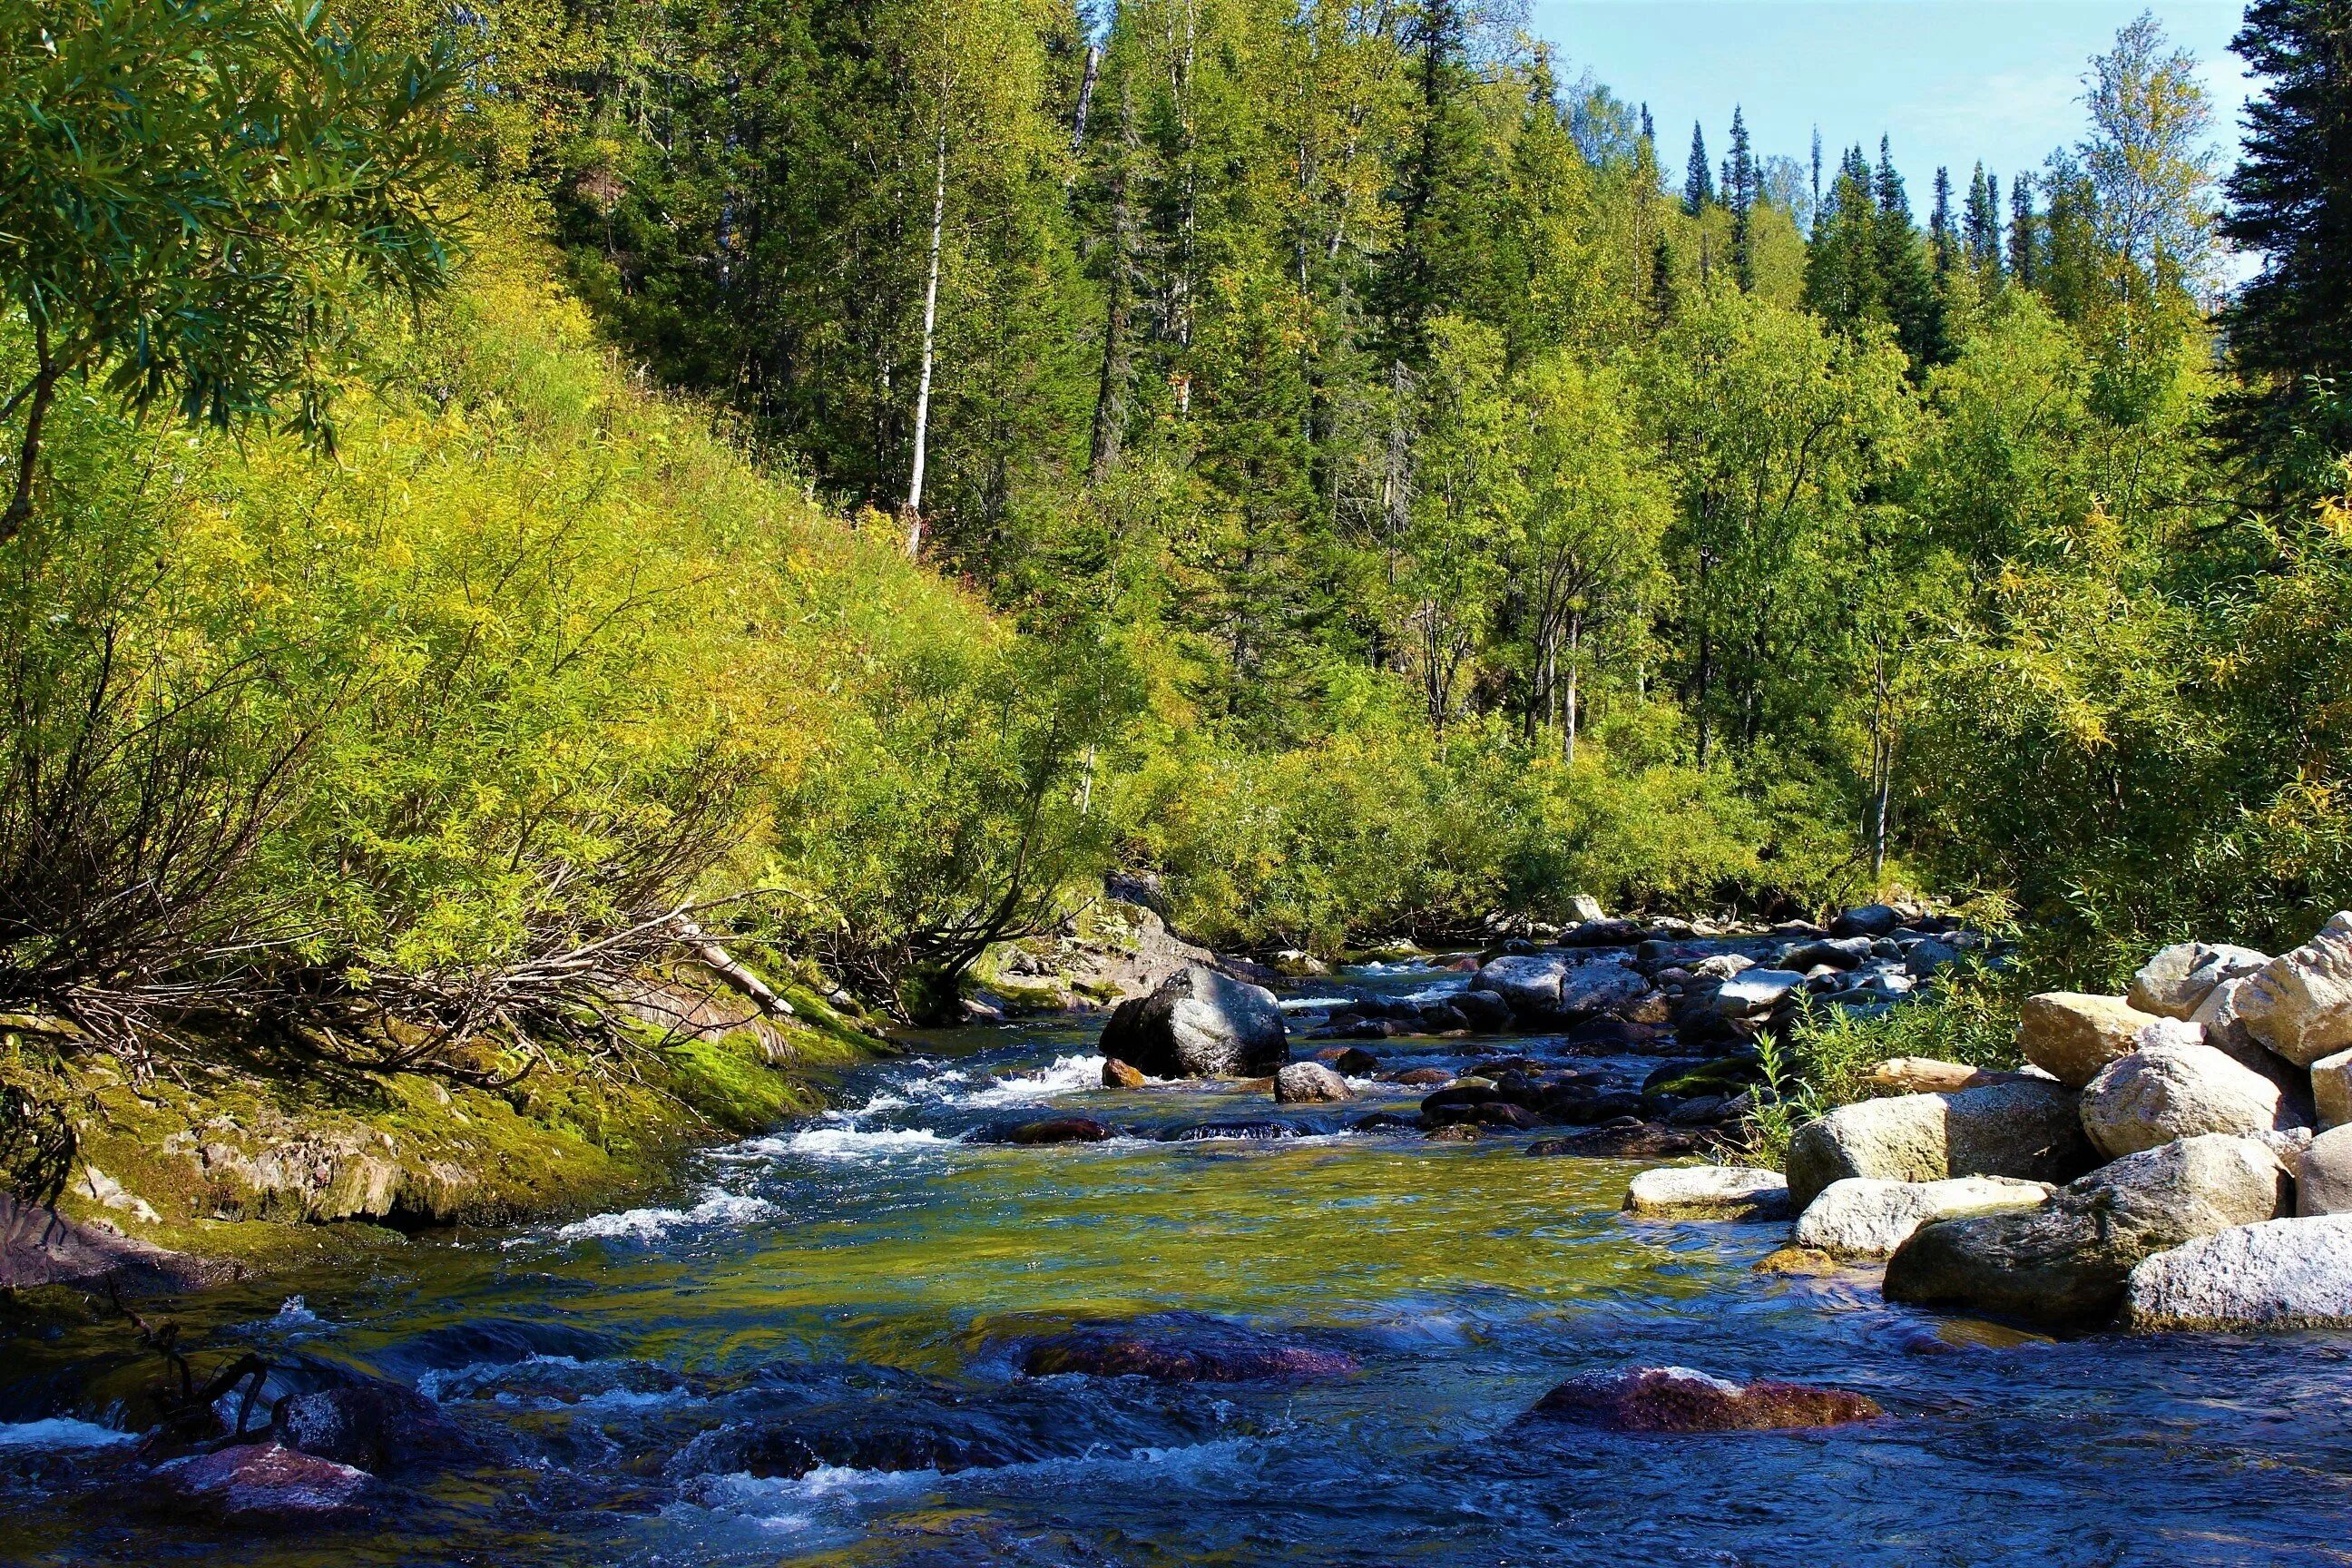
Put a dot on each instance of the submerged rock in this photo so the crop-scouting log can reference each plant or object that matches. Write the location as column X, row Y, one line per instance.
column 2168, row 1090
column 1310, row 1083
column 2070, row 1035
column 1625, row 1139
column 2278, row 1274
column 1187, row 1353
column 1863, row 1218
column 374, row 1425
column 2026, row 1128
column 1678, row 1399
column 1200, row 1024
column 1709, row 1192
column 259, row 1481
column 2065, row 1263
column 1057, row 1130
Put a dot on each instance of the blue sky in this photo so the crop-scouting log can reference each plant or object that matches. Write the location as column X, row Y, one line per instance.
column 1952, row 81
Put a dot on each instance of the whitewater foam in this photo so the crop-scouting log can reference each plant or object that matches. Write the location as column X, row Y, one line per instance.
column 61, row 1432
column 856, row 1142
column 652, row 1224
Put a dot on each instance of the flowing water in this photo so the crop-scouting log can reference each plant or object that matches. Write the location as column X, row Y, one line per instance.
column 866, row 1282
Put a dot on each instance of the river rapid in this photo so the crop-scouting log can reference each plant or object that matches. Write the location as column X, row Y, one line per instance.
column 870, row 1275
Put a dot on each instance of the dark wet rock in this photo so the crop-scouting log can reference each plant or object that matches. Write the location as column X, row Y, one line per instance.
column 1416, row 1078
column 1678, row 1399
column 1467, row 1096
column 1577, row 1106
column 1384, row 1121
column 552, row 1381
column 1502, row 1116
column 1482, row 1010
column 1118, row 1073
column 1200, row 1024
column 1664, row 953
column 257, row 1482
column 1207, row 1354
column 1604, row 1037
column 1624, row 1139
column 1454, row 1132
column 1837, row 953
column 1353, row 1061
column 945, row 1439
column 1310, row 1083
column 1603, row 933
column 1867, row 920
column 2065, row 1263
column 1442, row 1018
column 374, row 1425
column 1055, row 1130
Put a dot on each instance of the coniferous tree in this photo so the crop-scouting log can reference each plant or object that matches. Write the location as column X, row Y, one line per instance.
column 1649, row 131
column 1739, row 193
column 2024, row 245
column 1980, row 227
column 1698, row 178
column 1939, row 222
column 2291, row 198
column 1906, row 284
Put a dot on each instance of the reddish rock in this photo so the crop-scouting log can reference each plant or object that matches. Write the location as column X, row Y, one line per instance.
column 1175, row 1355
column 1116, row 1074
column 1676, row 1399
column 260, row 1480
column 1414, row 1077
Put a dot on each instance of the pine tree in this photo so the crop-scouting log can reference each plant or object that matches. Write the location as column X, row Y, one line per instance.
column 1739, row 193
column 1981, row 228
column 1842, row 281
column 1939, row 224
column 2024, row 245
column 2290, row 198
column 1906, row 284
column 1698, row 179
column 1649, row 131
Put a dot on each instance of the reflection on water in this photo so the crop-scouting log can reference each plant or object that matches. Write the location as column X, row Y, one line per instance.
column 744, row 1372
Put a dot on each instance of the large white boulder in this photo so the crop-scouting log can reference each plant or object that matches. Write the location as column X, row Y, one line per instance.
column 1754, row 990
column 1601, row 987
column 2066, row 1262
column 2178, row 978
column 2331, row 1089
column 1709, row 1192
column 2167, row 1090
column 2300, row 1003
column 1530, row 983
column 1863, row 1218
column 1200, row 1024
column 1310, row 1083
column 2027, row 1127
column 2278, row 1274
column 2322, row 1176
column 2070, row 1035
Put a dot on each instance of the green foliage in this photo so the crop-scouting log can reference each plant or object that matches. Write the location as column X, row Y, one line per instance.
column 198, row 197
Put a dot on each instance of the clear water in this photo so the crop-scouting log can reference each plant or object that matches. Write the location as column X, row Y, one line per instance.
column 869, row 1267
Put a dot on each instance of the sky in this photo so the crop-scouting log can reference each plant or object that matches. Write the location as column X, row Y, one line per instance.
column 1952, row 81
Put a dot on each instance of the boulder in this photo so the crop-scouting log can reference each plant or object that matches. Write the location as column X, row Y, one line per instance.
column 1584, row 909
column 1926, row 1075
column 2322, row 1176
column 1056, row 1130
column 1349, row 1061
column 1528, row 983
column 1627, row 1138
column 1754, row 990
column 1200, row 1024
column 1600, row 988
column 2027, row 1127
column 2331, row 1089
column 2300, row 1003
column 1863, row 1218
column 2278, row 1274
column 1303, row 1083
column 2167, row 1091
column 2174, row 983
column 1926, row 956
column 1184, row 1350
column 1678, row 1399
column 1116, row 1074
column 40, row 1246
column 372, row 1426
column 2070, row 1035
column 1838, row 952
column 2065, row 1263
column 1869, row 919
column 259, row 1481
column 1483, row 1011
column 1709, row 1192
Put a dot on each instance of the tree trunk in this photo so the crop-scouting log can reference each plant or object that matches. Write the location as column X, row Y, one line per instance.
column 28, row 456
column 1085, row 98
column 1110, row 396
column 1575, row 651
column 913, row 512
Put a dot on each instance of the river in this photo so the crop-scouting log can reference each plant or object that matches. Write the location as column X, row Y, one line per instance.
column 868, row 1274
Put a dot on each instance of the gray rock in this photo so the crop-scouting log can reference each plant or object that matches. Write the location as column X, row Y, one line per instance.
column 2300, row 1003
column 1838, row 952
column 2027, row 1127
column 1304, row 1083
column 1600, row 988
column 2322, row 1176
column 2066, row 1262
column 1200, row 1024
column 2226, row 1032
column 1722, row 965
column 1529, row 983
column 1709, row 1192
column 1861, row 1218
column 2278, row 1274
column 1584, row 909
column 1928, row 955
column 2172, row 984
column 2168, row 1090
column 2070, row 1035
column 1754, row 990
column 2331, row 1089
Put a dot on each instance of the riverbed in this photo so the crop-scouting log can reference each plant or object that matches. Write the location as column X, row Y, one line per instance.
column 876, row 1272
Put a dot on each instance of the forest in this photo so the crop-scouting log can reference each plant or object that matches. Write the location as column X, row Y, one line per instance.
column 491, row 484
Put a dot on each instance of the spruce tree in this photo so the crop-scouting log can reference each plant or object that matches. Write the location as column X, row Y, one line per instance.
column 2291, row 199
column 2022, row 242
column 1906, row 285
column 1981, row 228
column 1739, row 193
column 1698, row 180
column 1939, row 222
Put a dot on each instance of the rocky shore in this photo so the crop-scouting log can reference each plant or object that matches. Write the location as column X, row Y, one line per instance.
column 2177, row 1157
